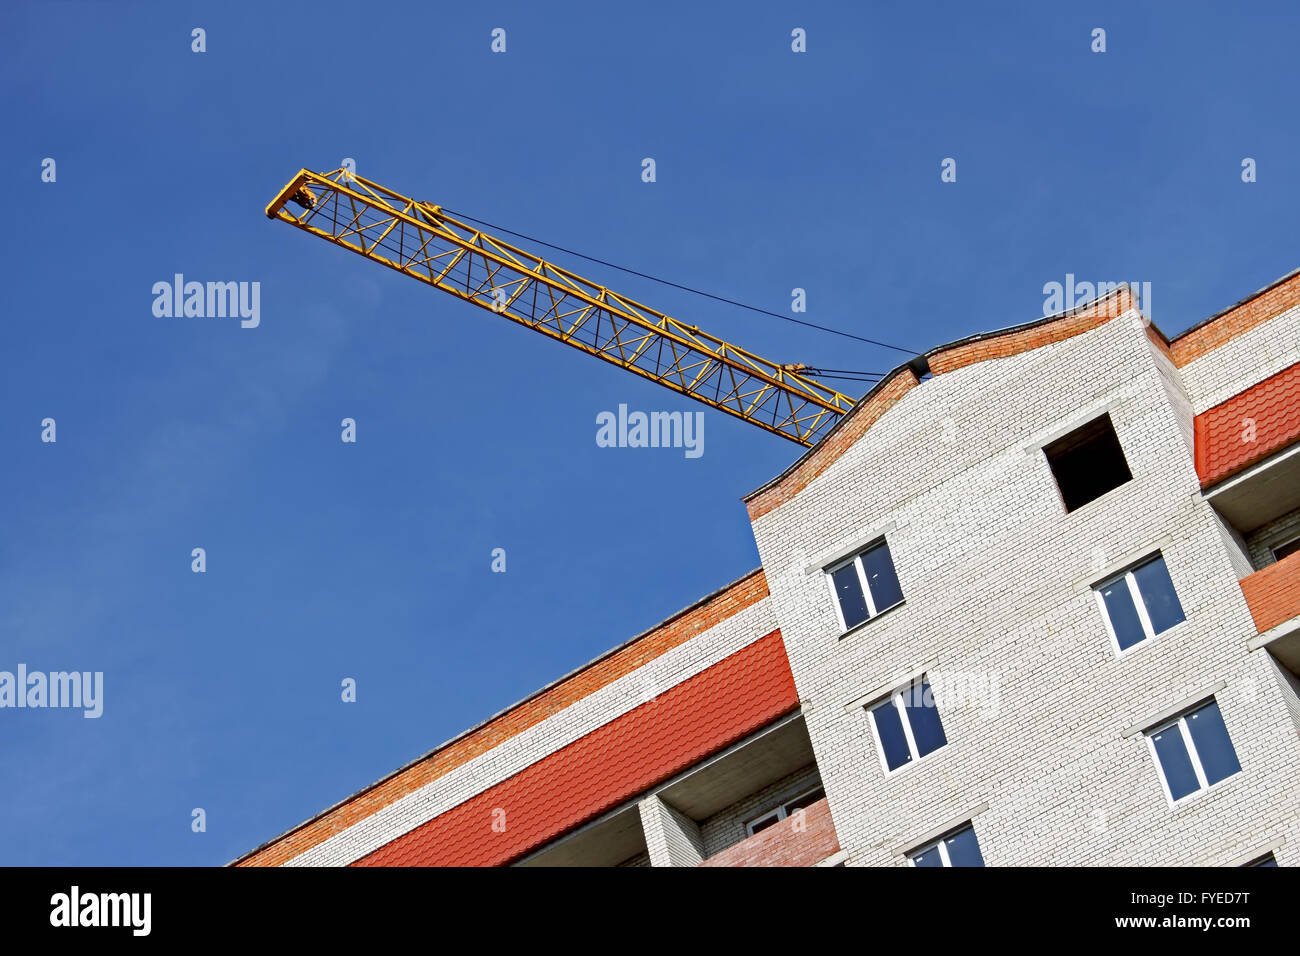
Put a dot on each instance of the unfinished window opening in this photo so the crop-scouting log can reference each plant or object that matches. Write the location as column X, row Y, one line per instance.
column 1087, row 463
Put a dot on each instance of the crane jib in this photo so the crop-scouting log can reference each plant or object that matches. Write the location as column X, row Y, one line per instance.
column 421, row 241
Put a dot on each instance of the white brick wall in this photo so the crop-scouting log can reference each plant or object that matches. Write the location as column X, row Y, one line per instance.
column 1249, row 358
column 997, row 583
column 1290, row 687
column 671, row 837
column 1235, row 546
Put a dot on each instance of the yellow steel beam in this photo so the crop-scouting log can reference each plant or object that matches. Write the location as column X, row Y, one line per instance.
column 421, row 241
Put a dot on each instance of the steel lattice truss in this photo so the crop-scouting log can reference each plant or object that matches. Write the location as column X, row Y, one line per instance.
column 420, row 240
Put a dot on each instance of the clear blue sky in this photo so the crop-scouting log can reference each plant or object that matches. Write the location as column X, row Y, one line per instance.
column 371, row 561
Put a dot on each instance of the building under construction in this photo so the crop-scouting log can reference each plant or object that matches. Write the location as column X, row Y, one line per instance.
column 1033, row 599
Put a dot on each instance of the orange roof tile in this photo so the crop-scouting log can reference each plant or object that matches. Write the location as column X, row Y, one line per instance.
column 1248, row 427
column 596, row 773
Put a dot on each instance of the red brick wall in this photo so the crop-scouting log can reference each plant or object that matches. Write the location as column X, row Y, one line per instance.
column 1226, row 326
column 784, row 845
column 1008, row 344
column 1158, row 340
column 675, row 631
column 1273, row 595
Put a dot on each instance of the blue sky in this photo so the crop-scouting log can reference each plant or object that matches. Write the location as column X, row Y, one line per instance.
column 372, row 560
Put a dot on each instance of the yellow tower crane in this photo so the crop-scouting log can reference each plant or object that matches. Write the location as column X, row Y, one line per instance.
column 420, row 240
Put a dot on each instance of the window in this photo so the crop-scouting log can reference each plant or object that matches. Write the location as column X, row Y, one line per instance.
column 1286, row 549
column 864, row 585
column 1193, row 751
column 1140, row 603
column 801, row 802
column 1268, row 859
column 907, row 726
column 958, row 848
column 1087, row 463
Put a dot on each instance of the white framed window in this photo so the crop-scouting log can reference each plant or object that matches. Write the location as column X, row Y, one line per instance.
column 957, row 848
column 1139, row 603
column 789, row 808
column 906, row 726
column 1193, row 751
column 864, row 585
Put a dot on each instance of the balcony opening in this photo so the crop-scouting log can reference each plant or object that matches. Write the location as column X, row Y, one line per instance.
column 1284, row 656
column 615, row 839
column 760, row 803
column 703, row 816
column 1261, row 505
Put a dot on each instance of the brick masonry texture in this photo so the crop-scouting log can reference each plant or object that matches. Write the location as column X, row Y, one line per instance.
column 672, row 838
column 1273, row 594
column 1253, row 356
column 1036, row 335
column 1262, row 540
column 998, row 579
column 1235, row 322
column 1289, row 685
column 865, row 414
column 795, row 841
column 947, row 359
column 1248, row 427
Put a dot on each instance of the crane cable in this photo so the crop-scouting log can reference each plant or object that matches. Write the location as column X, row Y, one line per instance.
column 828, row 374
column 707, row 295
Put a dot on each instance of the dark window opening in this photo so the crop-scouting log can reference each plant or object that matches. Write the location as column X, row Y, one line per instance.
column 1286, row 550
column 1087, row 463
column 785, row 810
column 806, row 801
